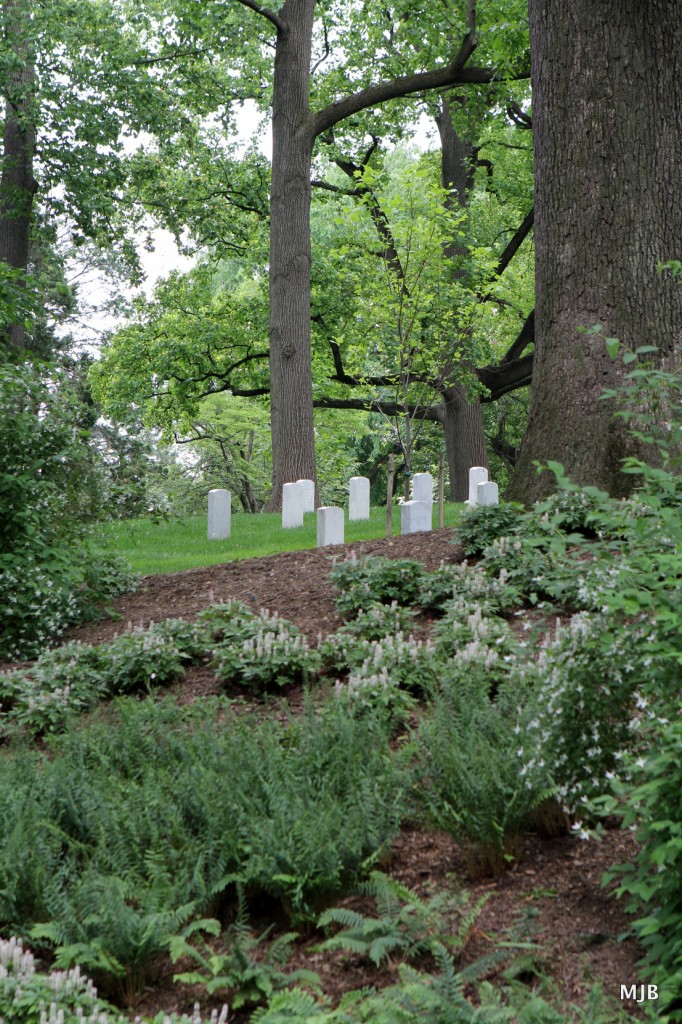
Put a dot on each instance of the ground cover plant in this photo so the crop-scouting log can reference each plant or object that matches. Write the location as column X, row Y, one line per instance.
column 81, row 902
column 150, row 824
column 127, row 830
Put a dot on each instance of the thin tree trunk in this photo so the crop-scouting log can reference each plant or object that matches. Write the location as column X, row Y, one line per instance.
column 17, row 184
column 293, row 442
column 465, row 444
column 607, row 108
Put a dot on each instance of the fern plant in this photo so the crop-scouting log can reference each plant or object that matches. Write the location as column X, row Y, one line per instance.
column 405, row 922
column 118, row 941
column 479, row 781
column 243, row 978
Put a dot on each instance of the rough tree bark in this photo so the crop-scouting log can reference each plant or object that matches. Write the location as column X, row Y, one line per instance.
column 607, row 108
column 465, row 443
column 17, row 184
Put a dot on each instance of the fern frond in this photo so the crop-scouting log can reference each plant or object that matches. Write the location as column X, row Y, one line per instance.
column 481, row 967
column 292, row 1005
column 457, row 941
column 382, row 947
column 344, row 941
column 344, row 916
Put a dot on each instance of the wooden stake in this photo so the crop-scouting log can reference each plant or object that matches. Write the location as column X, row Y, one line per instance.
column 441, row 492
column 389, row 495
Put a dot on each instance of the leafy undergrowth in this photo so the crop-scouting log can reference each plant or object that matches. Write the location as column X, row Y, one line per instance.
column 283, row 860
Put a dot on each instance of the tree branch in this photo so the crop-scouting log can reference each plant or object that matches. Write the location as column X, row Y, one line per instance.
column 374, row 405
column 386, row 381
column 273, row 18
column 524, row 338
column 515, row 242
column 389, row 253
column 452, row 74
column 520, row 118
column 316, row 183
column 505, row 377
column 176, row 55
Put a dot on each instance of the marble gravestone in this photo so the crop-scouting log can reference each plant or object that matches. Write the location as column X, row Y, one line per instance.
column 293, row 497
column 358, row 498
column 219, row 514
column 308, row 495
column 329, row 526
column 422, row 487
column 488, row 494
column 415, row 516
column 477, row 475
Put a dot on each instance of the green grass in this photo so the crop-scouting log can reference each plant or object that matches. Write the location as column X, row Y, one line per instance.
column 171, row 546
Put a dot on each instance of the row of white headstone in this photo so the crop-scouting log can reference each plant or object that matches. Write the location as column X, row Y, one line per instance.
column 298, row 498
column 481, row 490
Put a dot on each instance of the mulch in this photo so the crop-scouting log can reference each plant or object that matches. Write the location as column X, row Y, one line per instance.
column 294, row 583
column 553, row 895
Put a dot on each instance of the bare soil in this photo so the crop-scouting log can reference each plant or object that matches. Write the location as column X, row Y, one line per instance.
column 553, row 896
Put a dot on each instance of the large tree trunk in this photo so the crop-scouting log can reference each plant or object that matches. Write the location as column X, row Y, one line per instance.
column 462, row 421
column 17, row 184
column 607, row 108
column 464, row 440
column 293, row 443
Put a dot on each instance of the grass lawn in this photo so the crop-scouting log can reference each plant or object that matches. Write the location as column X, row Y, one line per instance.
column 171, row 546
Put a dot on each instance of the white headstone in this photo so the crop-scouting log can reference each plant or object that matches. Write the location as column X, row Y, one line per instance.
column 292, row 506
column 477, row 475
column 219, row 514
column 487, row 494
column 415, row 516
column 308, row 494
column 358, row 498
column 329, row 526
column 422, row 487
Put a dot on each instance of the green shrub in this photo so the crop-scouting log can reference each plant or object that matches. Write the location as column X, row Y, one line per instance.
column 651, row 803
column 276, row 655
column 481, row 525
column 383, row 580
column 49, row 575
column 469, row 633
column 586, row 707
column 535, row 568
column 137, row 660
column 391, row 670
column 471, row 582
column 576, row 511
column 105, row 576
column 230, row 621
column 191, row 639
column 377, row 621
column 71, row 679
column 62, row 683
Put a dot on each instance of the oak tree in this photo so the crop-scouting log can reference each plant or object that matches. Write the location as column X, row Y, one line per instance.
column 607, row 109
